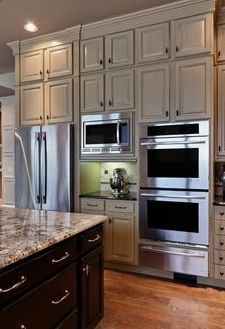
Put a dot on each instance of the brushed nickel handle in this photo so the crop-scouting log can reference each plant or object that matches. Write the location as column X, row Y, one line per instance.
column 221, row 213
column 61, row 259
column 221, row 228
column 16, row 285
column 98, row 237
column 56, row 302
column 121, row 207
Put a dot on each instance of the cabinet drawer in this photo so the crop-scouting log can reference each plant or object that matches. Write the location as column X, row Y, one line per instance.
column 219, row 213
column 220, row 227
column 220, row 242
column 119, row 206
column 220, row 272
column 69, row 322
column 92, row 204
column 91, row 238
column 46, row 305
column 24, row 276
column 219, row 257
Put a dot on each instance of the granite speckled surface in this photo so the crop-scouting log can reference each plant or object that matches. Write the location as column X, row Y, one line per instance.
column 24, row 231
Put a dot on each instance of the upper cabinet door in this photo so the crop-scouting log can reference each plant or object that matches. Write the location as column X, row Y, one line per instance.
column 31, row 66
column 221, row 111
column 91, row 54
column 153, row 93
column 152, row 43
column 119, row 49
column 120, row 90
column 58, row 61
column 58, row 101
column 192, row 35
column 92, row 95
column 220, row 55
column 193, row 88
column 32, row 104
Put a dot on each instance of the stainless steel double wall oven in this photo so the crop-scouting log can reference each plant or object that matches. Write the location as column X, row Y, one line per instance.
column 174, row 184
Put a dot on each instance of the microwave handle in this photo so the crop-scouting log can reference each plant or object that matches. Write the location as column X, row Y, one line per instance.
column 197, row 197
column 118, row 132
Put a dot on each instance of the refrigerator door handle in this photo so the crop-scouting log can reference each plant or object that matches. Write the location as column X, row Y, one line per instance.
column 37, row 167
column 44, row 193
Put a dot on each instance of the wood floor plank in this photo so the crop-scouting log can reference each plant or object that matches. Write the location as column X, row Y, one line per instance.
column 141, row 302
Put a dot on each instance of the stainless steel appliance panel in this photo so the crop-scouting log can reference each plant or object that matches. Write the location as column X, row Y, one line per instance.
column 27, row 170
column 181, row 260
column 179, row 216
column 56, row 167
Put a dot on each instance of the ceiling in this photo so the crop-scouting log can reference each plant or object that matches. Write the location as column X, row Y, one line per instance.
column 53, row 15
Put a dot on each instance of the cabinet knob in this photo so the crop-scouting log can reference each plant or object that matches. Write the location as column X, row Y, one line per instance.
column 167, row 113
column 219, row 53
column 110, row 61
column 47, row 117
column 221, row 213
column 221, row 273
column 221, row 243
column 221, row 228
column 110, row 103
column 219, row 148
column 110, row 221
column 40, row 117
column 177, row 112
column 221, row 258
column 47, row 71
column 101, row 62
column 166, row 50
column 41, row 72
column 177, row 48
column 101, row 104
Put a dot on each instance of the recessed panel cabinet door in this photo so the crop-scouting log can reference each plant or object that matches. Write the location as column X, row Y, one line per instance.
column 192, row 35
column 193, row 88
column 120, row 90
column 220, row 36
column 121, row 238
column 92, row 95
column 152, row 43
column 58, row 61
column 31, row 66
column 32, row 104
column 119, row 49
column 91, row 54
column 153, row 93
column 58, row 101
column 221, row 111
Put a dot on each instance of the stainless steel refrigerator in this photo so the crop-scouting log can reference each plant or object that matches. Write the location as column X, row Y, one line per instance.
column 44, row 167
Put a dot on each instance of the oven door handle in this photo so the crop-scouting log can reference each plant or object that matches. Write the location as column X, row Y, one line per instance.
column 160, row 251
column 172, row 143
column 198, row 197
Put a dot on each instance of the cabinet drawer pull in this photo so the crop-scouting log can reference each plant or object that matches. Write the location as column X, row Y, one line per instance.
column 221, row 228
column 92, row 205
column 16, row 285
column 120, row 207
column 221, row 243
column 61, row 259
column 177, row 112
column 221, row 213
column 55, row 302
column 221, row 258
column 167, row 113
column 221, row 273
column 98, row 237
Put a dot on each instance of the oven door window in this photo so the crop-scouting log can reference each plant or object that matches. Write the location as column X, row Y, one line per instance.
column 173, row 216
column 173, row 163
column 101, row 134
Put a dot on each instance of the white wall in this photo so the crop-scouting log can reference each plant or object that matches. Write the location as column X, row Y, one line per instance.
column 8, row 80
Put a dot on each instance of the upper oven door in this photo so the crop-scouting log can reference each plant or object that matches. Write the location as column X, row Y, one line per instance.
column 175, row 162
column 178, row 216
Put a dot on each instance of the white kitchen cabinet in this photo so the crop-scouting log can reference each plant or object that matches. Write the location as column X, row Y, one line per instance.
column 193, row 88
column 46, row 63
column 92, row 93
column 192, row 35
column 153, row 99
column 119, row 49
column 91, row 54
column 31, row 104
column 221, row 111
column 58, row 101
column 152, row 43
column 220, row 40
column 110, row 91
column 31, row 66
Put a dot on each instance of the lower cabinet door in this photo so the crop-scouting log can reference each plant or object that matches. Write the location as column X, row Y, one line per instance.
column 44, row 306
column 70, row 322
column 92, row 288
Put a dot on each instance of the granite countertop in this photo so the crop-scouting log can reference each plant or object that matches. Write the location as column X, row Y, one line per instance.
column 132, row 196
column 24, row 232
column 219, row 200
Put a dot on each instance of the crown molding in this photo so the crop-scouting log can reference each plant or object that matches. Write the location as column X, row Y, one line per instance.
column 171, row 11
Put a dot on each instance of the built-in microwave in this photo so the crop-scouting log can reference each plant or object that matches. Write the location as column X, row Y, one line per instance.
column 109, row 133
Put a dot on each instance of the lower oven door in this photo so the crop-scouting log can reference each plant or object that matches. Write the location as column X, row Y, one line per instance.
column 177, row 216
column 175, row 259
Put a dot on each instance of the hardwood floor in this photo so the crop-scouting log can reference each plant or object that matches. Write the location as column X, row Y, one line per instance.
column 140, row 302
